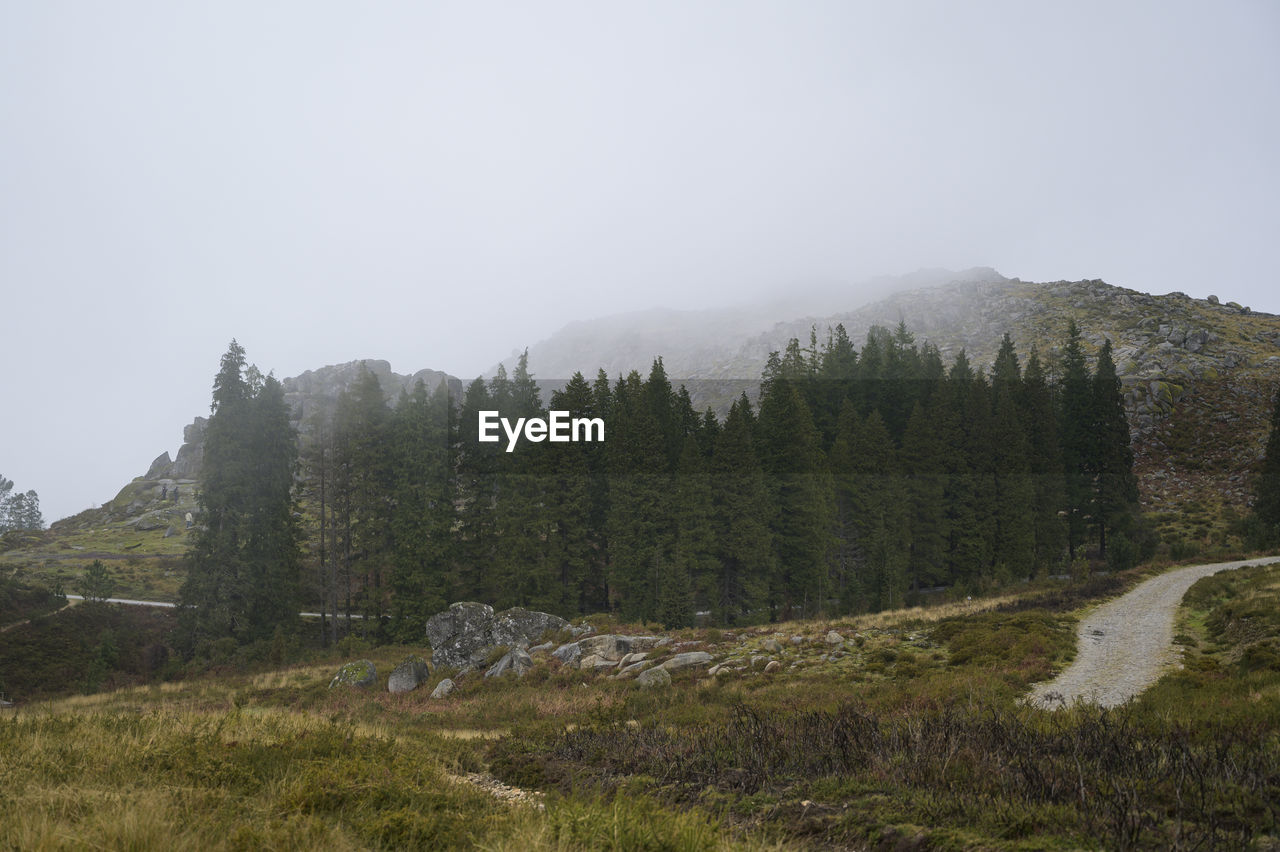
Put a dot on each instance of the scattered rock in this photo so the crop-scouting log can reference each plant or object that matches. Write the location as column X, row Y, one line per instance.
column 834, row 638
column 773, row 666
column 409, row 675
column 773, row 646
column 361, row 674
column 569, row 654
column 517, row 661
column 443, row 688
column 634, row 668
column 653, row 678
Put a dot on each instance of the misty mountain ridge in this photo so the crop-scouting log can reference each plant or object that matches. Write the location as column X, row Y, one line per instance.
column 711, row 343
column 1207, row 362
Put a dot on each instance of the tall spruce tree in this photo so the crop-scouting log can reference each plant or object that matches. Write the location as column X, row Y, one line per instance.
column 422, row 508
column 1266, row 485
column 361, row 422
column 243, row 563
column 574, row 542
column 524, row 562
column 799, row 481
column 1076, row 409
column 1115, row 487
column 873, row 504
column 741, row 514
column 923, row 461
column 1044, row 461
column 970, row 484
column 477, row 544
column 693, row 566
column 638, row 528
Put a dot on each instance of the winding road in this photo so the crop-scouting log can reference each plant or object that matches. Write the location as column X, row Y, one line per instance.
column 1125, row 645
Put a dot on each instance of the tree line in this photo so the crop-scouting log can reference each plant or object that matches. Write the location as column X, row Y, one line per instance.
column 19, row 510
column 862, row 480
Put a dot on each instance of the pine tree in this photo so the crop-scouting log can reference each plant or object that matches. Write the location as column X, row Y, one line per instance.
column 740, row 516
column 875, row 512
column 317, row 484
column 970, row 482
column 639, row 531
column 1076, row 435
column 422, row 510
column 523, row 562
column 477, row 495
column 1266, row 488
column 695, row 544
column 19, row 511
column 575, row 544
column 1115, row 495
column 1044, row 461
column 242, row 567
column 271, row 546
column 799, row 482
column 361, row 421
column 923, row 464
column 1013, row 554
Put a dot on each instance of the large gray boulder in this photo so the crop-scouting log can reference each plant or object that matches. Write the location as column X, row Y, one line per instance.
column 360, row 674
column 409, row 675
column 466, row 633
column 443, row 688
column 607, row 646
column 653, row 678
column 687, row 660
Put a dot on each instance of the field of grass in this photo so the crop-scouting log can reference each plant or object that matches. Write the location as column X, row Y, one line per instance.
column 909, row 733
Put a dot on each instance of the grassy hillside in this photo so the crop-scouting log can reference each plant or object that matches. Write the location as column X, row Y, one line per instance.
column 137, row 535
column 910, row 734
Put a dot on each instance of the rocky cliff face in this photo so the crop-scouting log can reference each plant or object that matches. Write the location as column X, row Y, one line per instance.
column 311, row 397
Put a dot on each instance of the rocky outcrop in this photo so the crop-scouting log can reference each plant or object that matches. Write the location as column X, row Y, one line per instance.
column 409, row 675
column 310, row 396
column 465, row 634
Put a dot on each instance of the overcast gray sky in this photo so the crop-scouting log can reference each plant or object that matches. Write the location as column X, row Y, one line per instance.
column 439, row 183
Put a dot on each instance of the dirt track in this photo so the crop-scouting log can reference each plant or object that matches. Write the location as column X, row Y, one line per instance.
column 1126, row 644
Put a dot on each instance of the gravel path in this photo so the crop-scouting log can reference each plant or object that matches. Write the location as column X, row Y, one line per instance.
column 1125, row 644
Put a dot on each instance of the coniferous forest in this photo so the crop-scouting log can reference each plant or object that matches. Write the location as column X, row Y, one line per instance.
column 864, row 479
